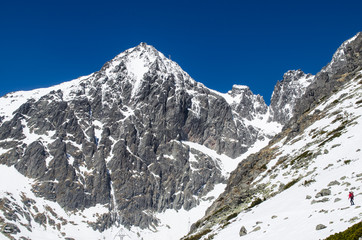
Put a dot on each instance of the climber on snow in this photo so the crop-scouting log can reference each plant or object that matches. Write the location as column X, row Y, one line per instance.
column 351, row 197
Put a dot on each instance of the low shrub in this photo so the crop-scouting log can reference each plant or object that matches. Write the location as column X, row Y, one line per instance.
column 199, row 235
column 255, row 202
column 231, row 216
column 291, row 183
column 352, row 233
column 347, row 162
column 308, row 182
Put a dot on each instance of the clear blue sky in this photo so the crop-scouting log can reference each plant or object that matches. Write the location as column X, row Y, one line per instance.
column 219, row 43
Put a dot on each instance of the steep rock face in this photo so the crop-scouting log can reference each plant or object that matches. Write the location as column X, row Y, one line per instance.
column 245, row 103
column 286, row 93
column 345, row 62
column 347, row 58
column 116, row 137
column 251, row 115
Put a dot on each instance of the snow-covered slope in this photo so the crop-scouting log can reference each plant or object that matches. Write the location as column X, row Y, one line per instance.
column 303, row 190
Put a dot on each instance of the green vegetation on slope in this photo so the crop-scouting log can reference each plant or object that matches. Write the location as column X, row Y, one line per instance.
column 352, row 233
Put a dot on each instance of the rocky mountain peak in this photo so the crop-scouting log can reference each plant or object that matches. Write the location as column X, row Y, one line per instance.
column 286, row 92
column 294, row 75
column 139, row 66
column 142, row 49
column 244, row 103
column 142, row 57
column 238, row 89
column 345, row 63
column 128, row 137
column 345, row 54
column 298, row 91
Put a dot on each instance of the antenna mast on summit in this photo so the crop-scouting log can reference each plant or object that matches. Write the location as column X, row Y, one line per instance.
column 120, row 235
column 169, row 56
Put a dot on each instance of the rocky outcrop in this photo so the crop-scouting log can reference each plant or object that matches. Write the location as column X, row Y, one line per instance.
column 286, row 93
column 243, row 231
column 246, row 104
column 345, row 63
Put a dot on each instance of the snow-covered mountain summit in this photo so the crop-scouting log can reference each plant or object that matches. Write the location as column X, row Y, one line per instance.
column 143, row 59
column 126, row 70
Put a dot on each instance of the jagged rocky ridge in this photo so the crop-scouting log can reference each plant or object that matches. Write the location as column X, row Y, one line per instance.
column 247, row 186
column 287, row 92
column 118, row 137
